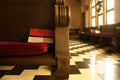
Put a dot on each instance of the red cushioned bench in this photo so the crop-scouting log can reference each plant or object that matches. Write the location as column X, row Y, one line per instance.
column 39, row 49
column 35, row 52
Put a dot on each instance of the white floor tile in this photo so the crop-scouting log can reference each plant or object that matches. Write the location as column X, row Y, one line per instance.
column 6, row 67
column 10, row 77
column 75, row 77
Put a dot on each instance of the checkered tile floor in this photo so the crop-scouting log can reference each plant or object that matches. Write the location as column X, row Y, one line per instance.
column 88, row 62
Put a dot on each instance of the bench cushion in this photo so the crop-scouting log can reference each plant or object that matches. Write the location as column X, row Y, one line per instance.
column 41, row 32
column 22, row 48
column 42, row 35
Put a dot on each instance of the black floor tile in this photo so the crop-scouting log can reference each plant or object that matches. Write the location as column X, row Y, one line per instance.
column 82, row 65
column 74, row 54
column 31, row 66
column 80, row 52
column 3, row 72
column 78, row 47
column 17, row 70
column 39, row 77
column 88, row 61
column 74, row 70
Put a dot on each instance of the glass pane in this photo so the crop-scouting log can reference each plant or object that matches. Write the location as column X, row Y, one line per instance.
column 93, row 3
column 93, row 11
column 110, row 4
column 98, row 0
column 93, row 22
column 110, row 17
column 100, row 20
column 101, row 8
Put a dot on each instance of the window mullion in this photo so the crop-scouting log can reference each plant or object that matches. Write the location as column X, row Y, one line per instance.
column 96, row 13
column 104, row 12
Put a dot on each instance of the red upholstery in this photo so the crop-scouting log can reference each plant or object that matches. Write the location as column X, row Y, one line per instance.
column 42, row 32
column 32, row 47
column 22, row 48
column 42, row 35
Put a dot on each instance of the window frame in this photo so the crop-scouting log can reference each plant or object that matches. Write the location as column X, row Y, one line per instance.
column 104, row 13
